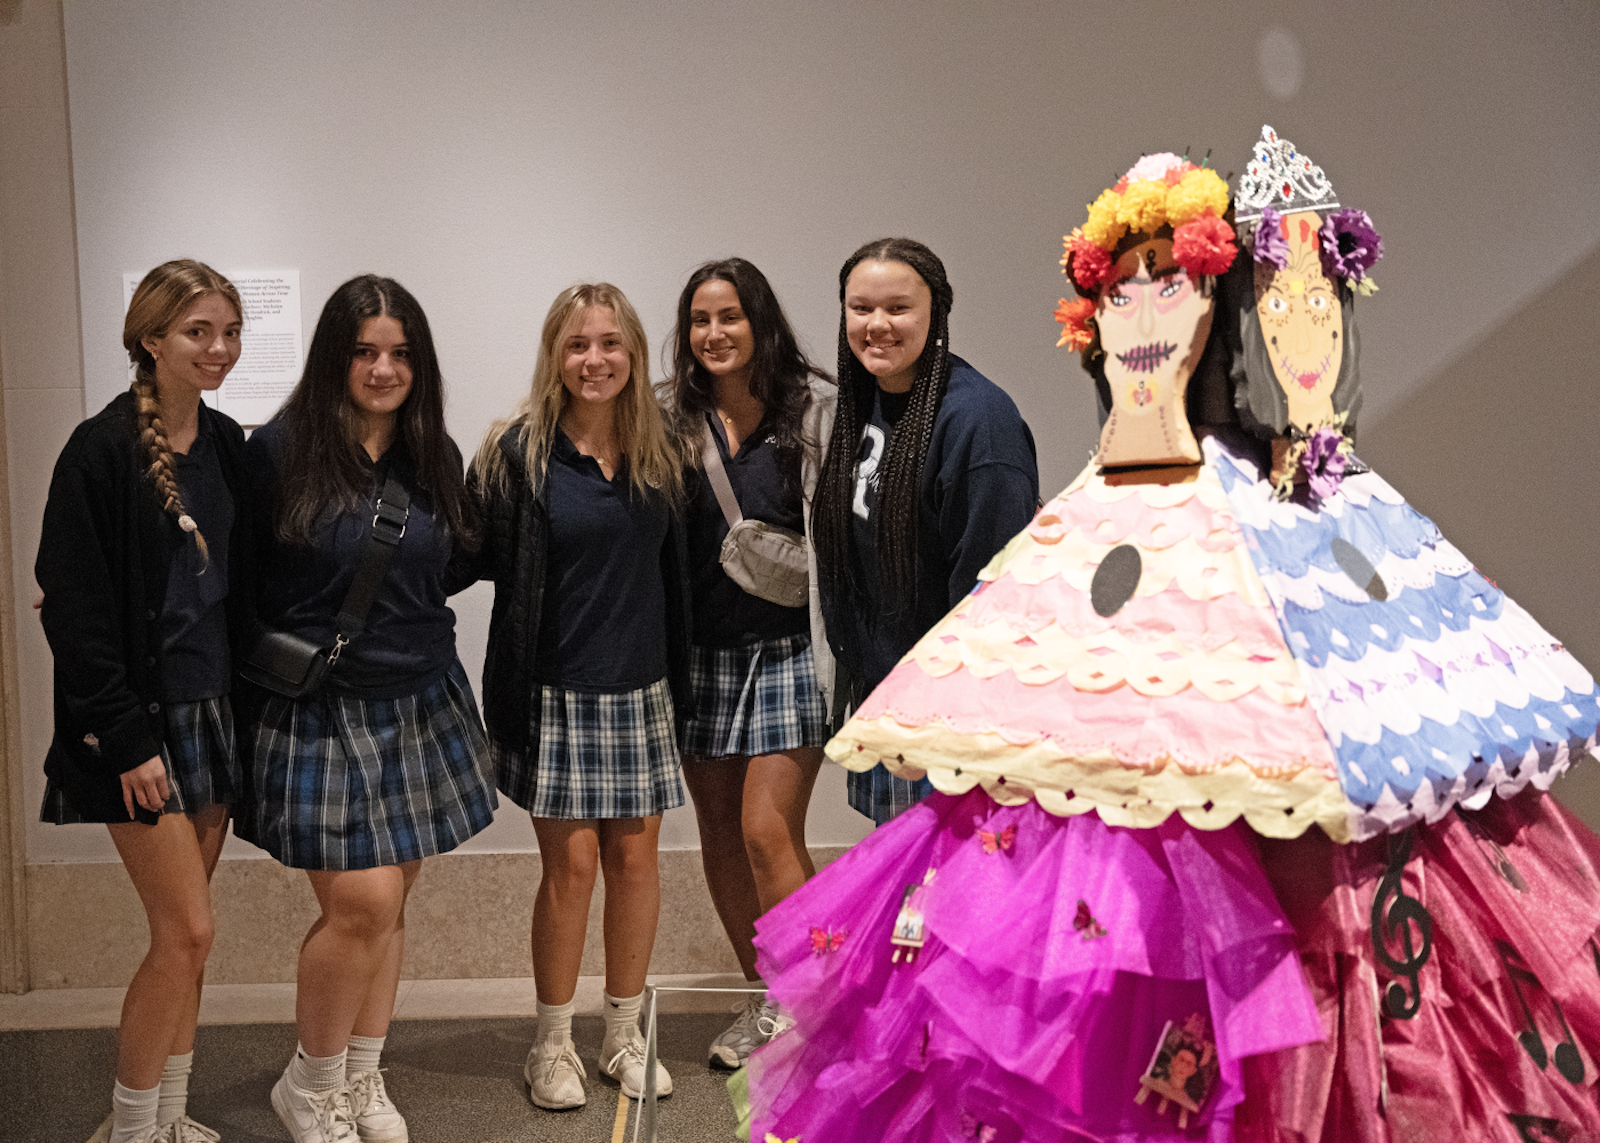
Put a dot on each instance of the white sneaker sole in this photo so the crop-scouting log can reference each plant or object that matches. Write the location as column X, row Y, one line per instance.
column 723, row 1056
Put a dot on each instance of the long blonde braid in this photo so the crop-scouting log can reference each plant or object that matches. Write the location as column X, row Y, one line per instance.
column 159, row 301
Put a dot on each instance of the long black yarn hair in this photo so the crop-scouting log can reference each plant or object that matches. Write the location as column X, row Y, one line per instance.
column 895, row 522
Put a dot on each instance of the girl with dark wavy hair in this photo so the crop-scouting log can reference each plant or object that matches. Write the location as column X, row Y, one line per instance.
column 761, row 670
column 375, row 770
column 930, row 471
column 135, row 563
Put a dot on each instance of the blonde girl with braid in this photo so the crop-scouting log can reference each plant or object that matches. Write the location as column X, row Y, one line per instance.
column 134, row 564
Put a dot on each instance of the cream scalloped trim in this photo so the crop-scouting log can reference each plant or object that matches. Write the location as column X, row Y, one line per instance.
column 1281, row 806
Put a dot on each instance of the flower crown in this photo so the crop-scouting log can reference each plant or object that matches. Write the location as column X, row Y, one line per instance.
column 1159, row 190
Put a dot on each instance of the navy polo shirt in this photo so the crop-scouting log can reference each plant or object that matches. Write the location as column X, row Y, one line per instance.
column 410, row 638
column 604, row 623
column 766, row 482
column 195, row 663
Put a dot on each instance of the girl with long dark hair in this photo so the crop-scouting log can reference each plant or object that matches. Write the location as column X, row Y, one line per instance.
column 761, row 670
column 376, row 769
column 930, row 470
column 136, row 562
column 588, row 650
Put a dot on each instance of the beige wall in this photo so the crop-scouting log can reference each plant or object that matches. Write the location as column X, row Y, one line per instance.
column 489, row 155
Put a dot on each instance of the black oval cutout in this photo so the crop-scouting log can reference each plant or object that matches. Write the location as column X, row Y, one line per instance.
column 1115, row 580
column 1358, row 568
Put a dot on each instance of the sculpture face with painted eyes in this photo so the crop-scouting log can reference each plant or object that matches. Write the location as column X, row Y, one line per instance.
column 1153, row 326
column 1301, row 318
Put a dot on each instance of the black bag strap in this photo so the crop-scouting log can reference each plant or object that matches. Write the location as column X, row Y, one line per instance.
column 389, row 518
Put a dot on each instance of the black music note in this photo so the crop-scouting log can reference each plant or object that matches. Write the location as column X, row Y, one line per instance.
column 1397, row 921
column 1492, row 852
column 1568, row 1062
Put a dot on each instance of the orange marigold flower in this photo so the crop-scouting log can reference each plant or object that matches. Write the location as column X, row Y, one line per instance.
column 1075, row 316
column 1204, row 246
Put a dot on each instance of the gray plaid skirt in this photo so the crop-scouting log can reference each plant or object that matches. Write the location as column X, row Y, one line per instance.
column 202, row 761
column 598, row 756
column 355, row 783
column 758, row 698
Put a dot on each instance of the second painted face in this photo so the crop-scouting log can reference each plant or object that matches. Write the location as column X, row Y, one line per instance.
column 1153, row 324
column 719, row 332
column 1301, row 321
column 198, row 349
column 380, row 370
column 595, row 365
column 888, row 310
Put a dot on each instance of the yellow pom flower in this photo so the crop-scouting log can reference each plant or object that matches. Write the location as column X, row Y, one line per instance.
column 1199, row 192
column 1144, row 205
column 1102, row 227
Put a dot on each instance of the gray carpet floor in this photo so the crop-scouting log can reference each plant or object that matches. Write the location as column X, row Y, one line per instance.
column 456, row 1081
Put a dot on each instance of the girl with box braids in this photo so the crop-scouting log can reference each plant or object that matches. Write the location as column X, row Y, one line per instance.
column 930, row 470
column 901, row 470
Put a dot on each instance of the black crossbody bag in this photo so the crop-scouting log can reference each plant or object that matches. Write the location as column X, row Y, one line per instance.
column 294, row 666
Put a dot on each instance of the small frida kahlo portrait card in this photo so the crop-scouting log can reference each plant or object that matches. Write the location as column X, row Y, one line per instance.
column 1183, row 1069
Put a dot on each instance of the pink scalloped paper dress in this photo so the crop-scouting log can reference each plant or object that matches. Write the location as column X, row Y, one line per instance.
column 1081, row 975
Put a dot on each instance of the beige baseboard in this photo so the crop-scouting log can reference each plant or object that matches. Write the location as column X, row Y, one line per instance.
column 468, row 918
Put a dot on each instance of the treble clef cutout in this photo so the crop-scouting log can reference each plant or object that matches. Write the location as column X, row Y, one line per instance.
column 1407, row 923
column 1568, row 1062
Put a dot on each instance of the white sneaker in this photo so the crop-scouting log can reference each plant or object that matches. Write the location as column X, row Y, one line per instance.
column 733, row 1047
column 625, row 1063
column 773, row 1022
column 186, row 1130
column 314, row 1116
column 555, row 1076
column 159, row 1133
column 378, row 1120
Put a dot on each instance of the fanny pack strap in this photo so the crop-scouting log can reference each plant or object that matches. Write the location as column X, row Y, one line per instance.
column 718, row 476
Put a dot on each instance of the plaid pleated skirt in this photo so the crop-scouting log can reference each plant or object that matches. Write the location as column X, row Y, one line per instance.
column 597, row 756
column 355, row 783
column 758, row 698
column 201, row 756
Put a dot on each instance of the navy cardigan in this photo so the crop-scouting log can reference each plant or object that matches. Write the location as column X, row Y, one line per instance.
column 104, row 552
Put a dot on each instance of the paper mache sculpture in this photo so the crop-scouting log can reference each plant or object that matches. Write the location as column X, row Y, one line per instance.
column 1225, row 631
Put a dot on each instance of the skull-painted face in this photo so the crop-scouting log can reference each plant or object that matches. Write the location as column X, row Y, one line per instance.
column 1301, row 318
column 1153, row 326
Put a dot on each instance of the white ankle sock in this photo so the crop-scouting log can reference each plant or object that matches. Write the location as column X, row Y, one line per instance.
column 316, row 1073
column 175, row 1088
column 622, row 1018
column 362, row 1055
column 132, row 1111
column 555, row 1020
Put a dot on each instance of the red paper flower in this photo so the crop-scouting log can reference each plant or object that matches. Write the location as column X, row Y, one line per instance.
column 1204, row 246
column 1074, row 316
column 1091, row 266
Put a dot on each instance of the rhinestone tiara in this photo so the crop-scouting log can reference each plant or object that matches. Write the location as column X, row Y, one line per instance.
column 1282, row 177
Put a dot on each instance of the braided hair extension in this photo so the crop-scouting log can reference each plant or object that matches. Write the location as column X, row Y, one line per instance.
column 161, row 298
column 331, row 468
column 779, row 367
column 896, row 524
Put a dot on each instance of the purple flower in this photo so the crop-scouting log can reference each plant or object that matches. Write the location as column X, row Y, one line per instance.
column 1350, row 244
column 1323, row 463
column 1270, row 245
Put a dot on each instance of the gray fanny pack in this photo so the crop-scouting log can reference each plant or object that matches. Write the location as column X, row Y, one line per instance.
column 767, row 561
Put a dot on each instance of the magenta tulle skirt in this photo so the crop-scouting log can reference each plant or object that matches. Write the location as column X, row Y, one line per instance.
column 1054, row 978
column 1504, row 1010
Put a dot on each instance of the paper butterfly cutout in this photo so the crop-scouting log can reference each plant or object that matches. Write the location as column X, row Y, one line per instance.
column 771, row 1138
column 975, row 1129
column 995, row 842
column 1085, row 923
column 823, row 941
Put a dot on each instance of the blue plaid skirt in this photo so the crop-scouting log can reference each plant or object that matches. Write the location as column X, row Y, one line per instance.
column 202, row 760
column 598, row 756
column 356, row 783
column 881, row 796
column 758, row 698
